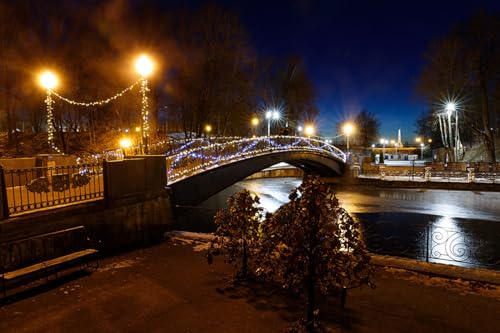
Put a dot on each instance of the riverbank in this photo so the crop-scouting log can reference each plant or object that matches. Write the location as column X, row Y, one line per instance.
column 406, row 182
column 170, row 288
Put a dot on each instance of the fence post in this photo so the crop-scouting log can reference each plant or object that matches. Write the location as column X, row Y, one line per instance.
column 428, row 236
column 105, row 180
column 4, row 206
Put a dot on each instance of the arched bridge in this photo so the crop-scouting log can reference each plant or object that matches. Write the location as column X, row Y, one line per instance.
column 195, row 174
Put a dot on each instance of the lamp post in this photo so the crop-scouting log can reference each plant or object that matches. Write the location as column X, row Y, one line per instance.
column 49, row 81
column 300, row 129
column 144, row 67
column 271, row 115
column 348, row 128
column 450, row 108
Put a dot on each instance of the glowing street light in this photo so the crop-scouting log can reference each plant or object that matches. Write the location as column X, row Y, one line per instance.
column 208, row 129
column 422, row 151
column 49, row 81
column 300, row 129
column 275, row 115
column 255, row 123
column 125, row 144
column 309, row 130
column 348, row 129
column 144, row 67
column 451, row 107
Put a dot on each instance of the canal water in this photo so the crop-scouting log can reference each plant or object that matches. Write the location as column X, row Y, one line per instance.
column 454, row 227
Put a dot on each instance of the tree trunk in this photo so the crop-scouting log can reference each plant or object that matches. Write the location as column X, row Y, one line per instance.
column 310, row 286
column 244, row 261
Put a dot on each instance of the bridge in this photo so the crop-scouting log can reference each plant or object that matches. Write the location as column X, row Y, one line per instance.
column 193, row 170
column 197, row 173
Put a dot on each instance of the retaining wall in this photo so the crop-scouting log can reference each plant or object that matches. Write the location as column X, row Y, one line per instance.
column 136, row 210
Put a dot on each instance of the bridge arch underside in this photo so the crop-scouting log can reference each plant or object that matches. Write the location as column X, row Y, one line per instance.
column 196, row 189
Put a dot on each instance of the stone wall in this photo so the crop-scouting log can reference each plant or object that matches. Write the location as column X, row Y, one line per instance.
column 136, row 209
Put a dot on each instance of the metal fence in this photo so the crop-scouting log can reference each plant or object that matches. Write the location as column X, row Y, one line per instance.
column 41, row 187
column 435, row 176
column 436, row 244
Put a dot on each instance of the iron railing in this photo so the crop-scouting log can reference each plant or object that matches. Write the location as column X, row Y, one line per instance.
column 435, row 243
column 192, row 161
column 41, row 187
column 435, row 176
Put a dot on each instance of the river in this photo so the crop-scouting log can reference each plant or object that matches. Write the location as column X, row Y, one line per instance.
column 454, row 227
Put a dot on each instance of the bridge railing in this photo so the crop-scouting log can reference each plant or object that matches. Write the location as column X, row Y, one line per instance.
column 197, row 159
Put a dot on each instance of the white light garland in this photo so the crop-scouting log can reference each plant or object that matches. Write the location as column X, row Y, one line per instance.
column 49, row 101
column 144, row 114
column 50, row 118
column 100, row 102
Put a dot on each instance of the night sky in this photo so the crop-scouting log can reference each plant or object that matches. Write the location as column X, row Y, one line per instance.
column 360, row 54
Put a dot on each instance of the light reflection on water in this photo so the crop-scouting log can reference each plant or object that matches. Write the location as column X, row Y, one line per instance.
column 273, row 192
column 457, row 227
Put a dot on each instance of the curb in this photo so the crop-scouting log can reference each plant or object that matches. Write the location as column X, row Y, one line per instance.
column 434, row 269
column 441, row 270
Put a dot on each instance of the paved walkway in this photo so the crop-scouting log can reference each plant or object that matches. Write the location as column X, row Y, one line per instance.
column 170, row 288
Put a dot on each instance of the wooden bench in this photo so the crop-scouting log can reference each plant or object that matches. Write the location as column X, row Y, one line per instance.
column 32, row 258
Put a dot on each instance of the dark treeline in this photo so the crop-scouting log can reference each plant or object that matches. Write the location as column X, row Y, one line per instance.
column 206, row 71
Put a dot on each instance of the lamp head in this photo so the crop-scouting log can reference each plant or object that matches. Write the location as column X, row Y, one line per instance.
column 48, row 80
column 348, row 128
column 144, row 66
column 450, row 107
column 309, row 130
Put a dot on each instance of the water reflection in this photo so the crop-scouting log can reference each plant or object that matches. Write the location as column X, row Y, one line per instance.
column 457, row 227
column 273, row 192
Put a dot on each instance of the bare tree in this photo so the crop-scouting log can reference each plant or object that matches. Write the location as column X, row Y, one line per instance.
column 464, row 68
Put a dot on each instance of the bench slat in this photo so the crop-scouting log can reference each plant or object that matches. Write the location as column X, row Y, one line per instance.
column 23, row 271
column 69, row 257
column 48, row 264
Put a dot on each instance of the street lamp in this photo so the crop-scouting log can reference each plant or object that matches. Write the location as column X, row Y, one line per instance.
column 255, row 123
column 125, row 144
column 422, row 151
column 300, row 129
column 348, row 128
column 49, row 81
column 208, row 129
column 144, row 67
column 271, row 114
column 309, row 130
